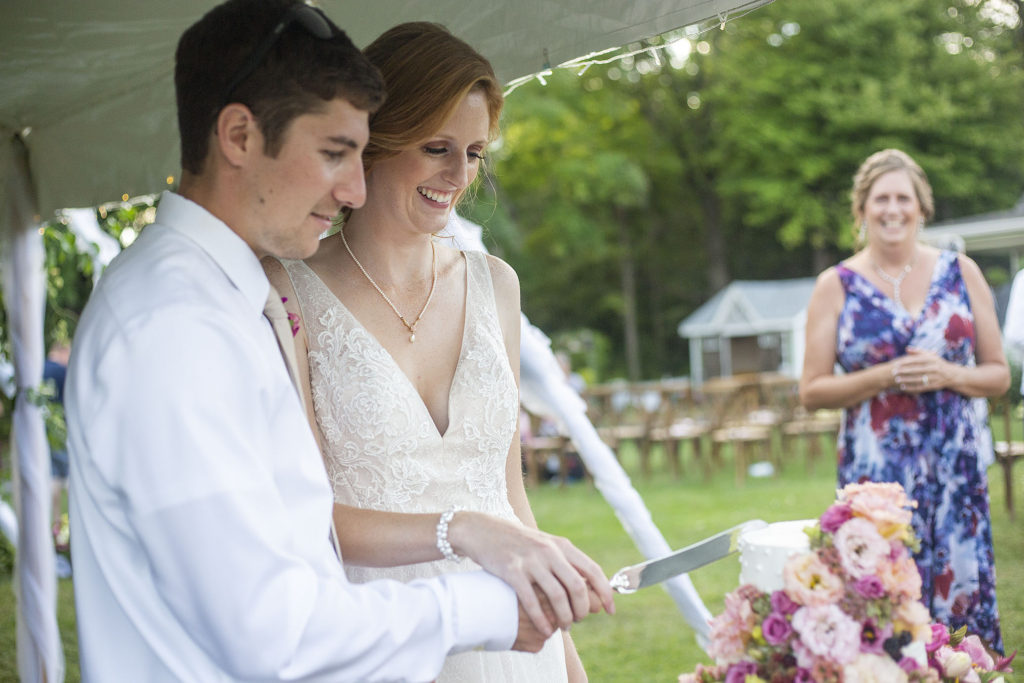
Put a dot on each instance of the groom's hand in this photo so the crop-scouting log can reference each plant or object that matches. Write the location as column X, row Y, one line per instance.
column 530, row 637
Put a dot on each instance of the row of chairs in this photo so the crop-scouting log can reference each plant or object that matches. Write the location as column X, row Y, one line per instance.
column 757, row 417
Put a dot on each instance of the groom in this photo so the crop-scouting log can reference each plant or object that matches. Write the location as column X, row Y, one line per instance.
column 200, row 509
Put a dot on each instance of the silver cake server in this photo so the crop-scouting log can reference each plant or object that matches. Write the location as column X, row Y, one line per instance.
column 630, row 579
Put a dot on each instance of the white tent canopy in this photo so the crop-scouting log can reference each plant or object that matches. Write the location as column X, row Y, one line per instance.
column 87, row 116
column 88, row 85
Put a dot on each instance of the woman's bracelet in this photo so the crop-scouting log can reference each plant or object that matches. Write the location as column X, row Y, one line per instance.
column 442, row 534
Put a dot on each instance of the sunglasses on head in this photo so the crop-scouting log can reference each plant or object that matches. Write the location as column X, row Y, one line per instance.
column 311, row 19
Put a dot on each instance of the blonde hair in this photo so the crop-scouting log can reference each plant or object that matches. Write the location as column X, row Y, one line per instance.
column 877, row 165
column 427, row 72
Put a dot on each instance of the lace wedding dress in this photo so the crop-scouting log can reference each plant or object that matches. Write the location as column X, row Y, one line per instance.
column 384, row 451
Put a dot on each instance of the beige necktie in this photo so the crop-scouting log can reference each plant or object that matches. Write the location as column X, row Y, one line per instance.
column 278, row 317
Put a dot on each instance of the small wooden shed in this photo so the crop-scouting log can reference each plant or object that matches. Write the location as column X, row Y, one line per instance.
column 749, row 326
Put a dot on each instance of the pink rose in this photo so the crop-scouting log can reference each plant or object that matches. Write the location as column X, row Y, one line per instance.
column 776, row 629
column 782, row 604
column 869, row 587
column 739, row 671
column 803, row 676
column 835, row 517
column 940, row 637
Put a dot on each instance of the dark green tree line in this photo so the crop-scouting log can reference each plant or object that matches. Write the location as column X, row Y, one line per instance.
column 628, row 195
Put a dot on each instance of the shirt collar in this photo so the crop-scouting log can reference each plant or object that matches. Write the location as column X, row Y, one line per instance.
column 221, row 243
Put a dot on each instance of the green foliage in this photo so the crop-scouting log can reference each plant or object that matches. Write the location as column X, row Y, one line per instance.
column 69, row 266
column 738, row 162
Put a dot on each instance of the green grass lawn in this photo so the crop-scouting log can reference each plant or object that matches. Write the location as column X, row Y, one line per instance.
column 647, row 640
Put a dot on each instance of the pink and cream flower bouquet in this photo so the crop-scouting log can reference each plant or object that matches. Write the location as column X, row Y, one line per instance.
column 849, row 610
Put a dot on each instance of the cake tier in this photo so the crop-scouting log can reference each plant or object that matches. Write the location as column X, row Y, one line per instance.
column 763, row 553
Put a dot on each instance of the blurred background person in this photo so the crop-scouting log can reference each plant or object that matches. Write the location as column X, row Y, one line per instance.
column 915, row 334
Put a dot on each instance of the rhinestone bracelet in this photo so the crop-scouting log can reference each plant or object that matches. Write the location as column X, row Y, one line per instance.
column 442, row 534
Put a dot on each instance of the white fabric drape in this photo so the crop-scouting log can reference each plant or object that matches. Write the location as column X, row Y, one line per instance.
column 544, row 390
column 40, row 656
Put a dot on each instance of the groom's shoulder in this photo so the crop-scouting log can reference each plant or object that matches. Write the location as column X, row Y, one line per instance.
column 162, row 269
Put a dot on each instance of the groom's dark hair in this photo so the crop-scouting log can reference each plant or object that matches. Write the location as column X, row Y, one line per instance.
column 299, row 72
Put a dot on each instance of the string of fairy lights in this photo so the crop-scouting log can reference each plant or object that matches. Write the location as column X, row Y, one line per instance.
column 652, row 47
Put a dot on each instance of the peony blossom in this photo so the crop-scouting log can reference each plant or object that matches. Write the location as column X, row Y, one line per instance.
column 808, row 581
column 861, row 548
column 901, row 578
column 869, row 668
column 827, row 632
column 883, row 504
column 730, row 630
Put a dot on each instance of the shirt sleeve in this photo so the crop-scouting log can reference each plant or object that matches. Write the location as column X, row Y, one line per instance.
column 228, row 517
column 1013, row 328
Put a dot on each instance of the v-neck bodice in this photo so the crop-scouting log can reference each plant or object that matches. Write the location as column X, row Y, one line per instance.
column 383, row 449
column 873, row 328
column 384, row 452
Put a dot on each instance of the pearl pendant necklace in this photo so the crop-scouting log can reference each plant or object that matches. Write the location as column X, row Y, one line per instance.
column 896, row 281
column 433, row 283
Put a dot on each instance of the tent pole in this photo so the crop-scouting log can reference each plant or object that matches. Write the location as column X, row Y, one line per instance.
column 40, row 656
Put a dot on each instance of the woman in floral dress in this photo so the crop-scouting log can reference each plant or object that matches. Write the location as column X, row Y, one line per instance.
column 915, row 333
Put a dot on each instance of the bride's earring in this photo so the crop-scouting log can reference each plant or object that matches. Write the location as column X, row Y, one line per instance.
column 920, row 226
column 862, row 234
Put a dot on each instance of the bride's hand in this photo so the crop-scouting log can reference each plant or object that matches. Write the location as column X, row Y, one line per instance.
column 529, row 560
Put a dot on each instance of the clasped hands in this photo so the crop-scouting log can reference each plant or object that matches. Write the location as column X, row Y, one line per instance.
column 556, row 583
column 920, row 371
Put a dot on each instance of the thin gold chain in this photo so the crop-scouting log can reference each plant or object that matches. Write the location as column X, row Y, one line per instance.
column 433, row 284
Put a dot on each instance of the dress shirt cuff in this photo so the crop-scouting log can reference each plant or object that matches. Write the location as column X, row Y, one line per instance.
column 486, row 611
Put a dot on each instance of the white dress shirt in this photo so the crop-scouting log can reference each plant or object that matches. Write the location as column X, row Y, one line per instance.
column 1013, row 325
column 199, row 505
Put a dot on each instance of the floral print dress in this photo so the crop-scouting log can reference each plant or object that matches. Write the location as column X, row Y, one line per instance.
column 927, row 442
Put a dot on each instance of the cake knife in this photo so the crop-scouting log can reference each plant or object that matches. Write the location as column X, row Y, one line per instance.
column 630, row 579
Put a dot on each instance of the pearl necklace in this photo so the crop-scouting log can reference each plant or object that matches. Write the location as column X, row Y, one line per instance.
column 897, row 280
column 433, row 283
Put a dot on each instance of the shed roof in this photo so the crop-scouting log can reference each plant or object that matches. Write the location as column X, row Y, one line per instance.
column 750, row 307
column 996, row 231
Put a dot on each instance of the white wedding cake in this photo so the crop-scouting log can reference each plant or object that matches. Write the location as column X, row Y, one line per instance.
column 763, row 552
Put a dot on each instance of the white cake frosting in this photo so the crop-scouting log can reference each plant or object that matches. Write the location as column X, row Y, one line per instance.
column 763, row 552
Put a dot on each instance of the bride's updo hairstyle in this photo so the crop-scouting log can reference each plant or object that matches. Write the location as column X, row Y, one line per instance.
column 427, row 71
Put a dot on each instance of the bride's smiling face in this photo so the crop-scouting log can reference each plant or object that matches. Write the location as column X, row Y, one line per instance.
column 420, row 185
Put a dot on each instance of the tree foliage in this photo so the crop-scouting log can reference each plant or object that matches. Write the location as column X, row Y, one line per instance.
column 681, row 175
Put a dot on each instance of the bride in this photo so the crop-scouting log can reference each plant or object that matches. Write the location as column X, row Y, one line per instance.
column 413, row 364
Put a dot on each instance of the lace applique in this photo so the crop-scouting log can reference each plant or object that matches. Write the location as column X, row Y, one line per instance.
column 383, row 450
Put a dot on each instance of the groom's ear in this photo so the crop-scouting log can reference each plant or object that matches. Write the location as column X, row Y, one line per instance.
column 237, row 134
